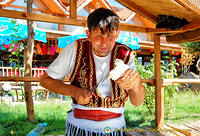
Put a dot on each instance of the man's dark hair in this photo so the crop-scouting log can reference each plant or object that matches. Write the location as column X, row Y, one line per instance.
column 103, row 17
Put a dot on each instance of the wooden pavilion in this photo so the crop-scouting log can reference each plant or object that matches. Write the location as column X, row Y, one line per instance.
column 64, row 12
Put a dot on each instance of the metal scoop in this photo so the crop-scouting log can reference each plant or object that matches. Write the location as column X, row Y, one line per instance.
column 103, row 79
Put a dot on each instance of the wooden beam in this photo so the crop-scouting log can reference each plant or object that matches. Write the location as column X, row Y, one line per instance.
column 54, row 6
column 188, row 27
column 159, row 91
column 42, row 17
column 189, row 36
column 43, row 11
column 189, row 6
column 62, row 20
column 66, row 3
column 37, row 79
column 191, row 26
column 73, row 9
column 35, row 9
column 162, row 45
column 186, row 133
column 146, row 22
column 77, row 22
column 130, row 4
column 132, row 28
column 21, row 79
column 168, row 82
column 136, row 19
column 150, row 47
column 10, row 1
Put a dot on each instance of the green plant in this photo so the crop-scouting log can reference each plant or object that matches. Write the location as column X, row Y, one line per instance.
column 192, row 47
column 16, row 55
column 16, row 51
column 147, row 72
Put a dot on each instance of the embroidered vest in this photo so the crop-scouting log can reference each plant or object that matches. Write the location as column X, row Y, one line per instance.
column 84, row 74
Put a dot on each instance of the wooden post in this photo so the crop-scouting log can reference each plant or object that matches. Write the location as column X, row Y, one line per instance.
column 17, row 95
column 159, row 92
column 43, row 94
column 47, row 94
column 36, row 94
column 2, row 92
column 28, row 54
column 57, row 95
column 61, row 97
column 73, row 9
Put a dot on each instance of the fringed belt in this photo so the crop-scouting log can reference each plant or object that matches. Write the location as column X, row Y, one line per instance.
column 96, row 115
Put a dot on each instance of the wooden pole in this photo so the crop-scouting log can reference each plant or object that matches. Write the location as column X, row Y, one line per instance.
column 73, row 9
column 28, row 54
column 159, row 91
column 17, row 95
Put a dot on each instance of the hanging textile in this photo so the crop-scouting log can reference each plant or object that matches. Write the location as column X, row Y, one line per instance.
column 38, row 48
column 52, row 49
column 131, row 42
column 44, row 49
column 11, row 30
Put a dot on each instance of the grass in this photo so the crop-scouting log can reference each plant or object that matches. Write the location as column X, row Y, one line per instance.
column 187, row 108
column 13, row 118
column 138, row 116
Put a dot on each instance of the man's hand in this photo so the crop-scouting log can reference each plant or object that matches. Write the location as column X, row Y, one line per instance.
column 128, row 80
column 82, row 96
column 132, row 82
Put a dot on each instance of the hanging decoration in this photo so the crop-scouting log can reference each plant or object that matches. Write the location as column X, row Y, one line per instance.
column 176, row 53
column 44, row 49
column 151, row 50
column 139, row 51
column 57, row 49
column 131, row 42
column 38, row 48
column 6, row 46
column 48, row 50
column 164, row 52
column 52, row 49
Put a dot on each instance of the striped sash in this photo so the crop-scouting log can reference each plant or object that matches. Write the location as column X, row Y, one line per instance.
column 76, row 131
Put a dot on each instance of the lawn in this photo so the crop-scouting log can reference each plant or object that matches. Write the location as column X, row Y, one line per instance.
column 13, row 118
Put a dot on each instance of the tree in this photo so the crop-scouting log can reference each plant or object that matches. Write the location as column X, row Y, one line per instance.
column 192, row 47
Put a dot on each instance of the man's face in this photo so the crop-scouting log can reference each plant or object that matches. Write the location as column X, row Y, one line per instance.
column 102, row 43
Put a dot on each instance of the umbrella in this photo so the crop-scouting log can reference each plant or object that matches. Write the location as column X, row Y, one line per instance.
column 12, row 30
column 131, row 42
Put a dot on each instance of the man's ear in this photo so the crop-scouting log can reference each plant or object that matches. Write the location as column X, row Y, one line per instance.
column 88, row 35
column 118, row 31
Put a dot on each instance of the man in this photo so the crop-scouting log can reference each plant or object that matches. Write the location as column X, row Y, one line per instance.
column 88, row 61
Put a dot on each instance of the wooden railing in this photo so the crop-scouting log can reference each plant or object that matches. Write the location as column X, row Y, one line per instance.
column 8, row 72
